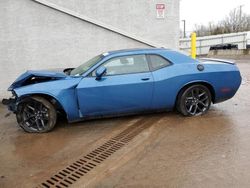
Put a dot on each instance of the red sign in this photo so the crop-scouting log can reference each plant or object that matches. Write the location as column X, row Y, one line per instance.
column 160, row 11
column 160, row 6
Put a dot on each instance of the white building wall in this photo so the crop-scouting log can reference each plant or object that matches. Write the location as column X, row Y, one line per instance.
column 33, row 36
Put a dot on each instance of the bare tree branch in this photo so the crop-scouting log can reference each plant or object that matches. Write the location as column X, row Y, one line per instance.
column 235, row 21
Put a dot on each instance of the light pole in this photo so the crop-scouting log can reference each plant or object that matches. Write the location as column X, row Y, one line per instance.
column 240, row 17
column 184, row 28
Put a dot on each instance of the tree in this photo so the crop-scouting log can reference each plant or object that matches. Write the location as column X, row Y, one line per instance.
column 235, row 21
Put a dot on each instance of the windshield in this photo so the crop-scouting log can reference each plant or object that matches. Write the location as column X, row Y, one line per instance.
column 85, row 66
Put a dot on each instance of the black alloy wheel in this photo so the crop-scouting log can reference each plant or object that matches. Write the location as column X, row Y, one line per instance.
column 194, row 101
column 36, row 115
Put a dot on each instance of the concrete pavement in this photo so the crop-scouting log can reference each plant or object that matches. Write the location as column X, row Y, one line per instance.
column 162, row 150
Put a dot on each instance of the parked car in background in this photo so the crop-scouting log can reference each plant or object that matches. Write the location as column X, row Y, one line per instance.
column 224, row 47
column 121, row 83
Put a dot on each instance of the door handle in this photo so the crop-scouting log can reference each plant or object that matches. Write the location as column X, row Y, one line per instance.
column 145, row 79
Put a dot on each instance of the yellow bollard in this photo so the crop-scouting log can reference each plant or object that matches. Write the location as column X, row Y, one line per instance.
column 193, row 45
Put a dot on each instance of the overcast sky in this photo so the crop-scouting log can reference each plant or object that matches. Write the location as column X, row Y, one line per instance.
column 204, row 11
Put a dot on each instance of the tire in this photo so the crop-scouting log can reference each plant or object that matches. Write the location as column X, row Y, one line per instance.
column 194, row 100
column 36, row 115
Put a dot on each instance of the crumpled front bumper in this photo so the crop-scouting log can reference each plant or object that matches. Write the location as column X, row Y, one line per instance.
column 10, row 103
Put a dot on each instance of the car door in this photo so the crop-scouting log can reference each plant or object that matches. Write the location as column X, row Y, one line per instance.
column 165, row 82
column 126, row 87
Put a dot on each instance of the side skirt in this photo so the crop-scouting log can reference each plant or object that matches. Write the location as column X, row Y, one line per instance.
column 121, row 115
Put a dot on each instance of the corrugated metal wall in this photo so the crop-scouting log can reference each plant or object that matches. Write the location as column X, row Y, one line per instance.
column 203, row 43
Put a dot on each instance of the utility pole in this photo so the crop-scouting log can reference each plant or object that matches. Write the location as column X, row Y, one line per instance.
column 184, row 28
column 240, row 18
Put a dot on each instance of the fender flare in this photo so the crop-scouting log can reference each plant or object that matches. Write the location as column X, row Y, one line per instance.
column 203, row 82
column 60, row 102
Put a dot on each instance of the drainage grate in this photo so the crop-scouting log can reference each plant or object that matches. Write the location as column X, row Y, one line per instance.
column 82, row 166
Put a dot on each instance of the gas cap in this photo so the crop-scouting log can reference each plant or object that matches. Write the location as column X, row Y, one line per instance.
column 200, row 67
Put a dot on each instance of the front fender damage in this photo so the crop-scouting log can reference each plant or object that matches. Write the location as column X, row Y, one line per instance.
column 63, row 91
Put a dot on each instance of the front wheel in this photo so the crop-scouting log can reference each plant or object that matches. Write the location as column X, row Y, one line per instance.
column 194, row 101
column 36, row 115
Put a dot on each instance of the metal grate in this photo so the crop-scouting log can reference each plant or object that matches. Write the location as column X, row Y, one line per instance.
column 82, row 166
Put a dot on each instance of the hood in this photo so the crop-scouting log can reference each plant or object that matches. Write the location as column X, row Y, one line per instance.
column 32, row 77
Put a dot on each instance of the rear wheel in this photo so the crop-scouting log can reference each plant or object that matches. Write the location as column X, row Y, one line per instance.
column 194, row 100
column 36, row 115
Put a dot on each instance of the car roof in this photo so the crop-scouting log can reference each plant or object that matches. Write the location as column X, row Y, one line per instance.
column 171, row 55
column 137, row 50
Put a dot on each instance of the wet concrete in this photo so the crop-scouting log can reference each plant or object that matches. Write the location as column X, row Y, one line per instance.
column 208, row 151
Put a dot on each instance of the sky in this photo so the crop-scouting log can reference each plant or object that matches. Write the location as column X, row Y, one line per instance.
column 205, row 11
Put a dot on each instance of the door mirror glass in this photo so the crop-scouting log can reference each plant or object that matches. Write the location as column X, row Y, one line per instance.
column 100, row 72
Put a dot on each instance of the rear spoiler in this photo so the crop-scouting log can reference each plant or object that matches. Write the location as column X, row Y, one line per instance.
column 217, row 60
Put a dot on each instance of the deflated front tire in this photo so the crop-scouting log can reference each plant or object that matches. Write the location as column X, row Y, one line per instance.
column 36, row 115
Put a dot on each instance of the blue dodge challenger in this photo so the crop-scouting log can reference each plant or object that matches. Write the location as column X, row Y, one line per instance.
column 121, row 83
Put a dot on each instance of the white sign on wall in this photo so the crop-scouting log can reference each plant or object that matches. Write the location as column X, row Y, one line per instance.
column 160, row 11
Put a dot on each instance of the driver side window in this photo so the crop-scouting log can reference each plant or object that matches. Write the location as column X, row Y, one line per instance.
column 126, row 65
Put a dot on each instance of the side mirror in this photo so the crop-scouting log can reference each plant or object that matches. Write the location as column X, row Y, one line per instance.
column 100, row 72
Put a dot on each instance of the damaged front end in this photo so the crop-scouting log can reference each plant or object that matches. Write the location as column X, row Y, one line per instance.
column 11, row 103
column 30, row 78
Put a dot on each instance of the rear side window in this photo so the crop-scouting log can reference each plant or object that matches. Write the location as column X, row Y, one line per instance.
column 158, row 62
